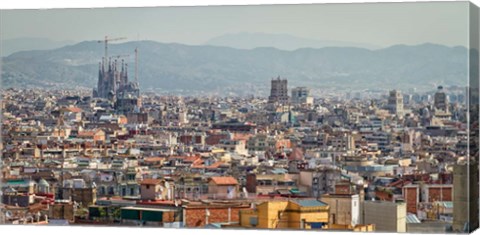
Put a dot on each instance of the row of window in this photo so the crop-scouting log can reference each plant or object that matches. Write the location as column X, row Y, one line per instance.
column 275, row 183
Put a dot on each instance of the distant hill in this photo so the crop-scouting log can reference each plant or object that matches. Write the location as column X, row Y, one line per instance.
column 212, row 69
column 280, row 41
column 10, row 46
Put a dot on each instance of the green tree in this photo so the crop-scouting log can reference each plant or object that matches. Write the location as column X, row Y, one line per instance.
column 103, row 213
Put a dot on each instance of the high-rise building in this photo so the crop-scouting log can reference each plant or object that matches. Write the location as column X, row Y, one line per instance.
column 279, row 91
column 440, row 100
column 395, row 102
column 301, row 95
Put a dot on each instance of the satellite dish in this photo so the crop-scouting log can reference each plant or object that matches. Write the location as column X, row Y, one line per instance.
column 176, row 203
column 8, row 214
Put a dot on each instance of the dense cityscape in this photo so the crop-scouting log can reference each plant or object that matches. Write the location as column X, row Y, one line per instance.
column 352, row 161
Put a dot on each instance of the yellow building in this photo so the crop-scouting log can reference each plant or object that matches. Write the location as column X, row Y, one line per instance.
column 292, row 214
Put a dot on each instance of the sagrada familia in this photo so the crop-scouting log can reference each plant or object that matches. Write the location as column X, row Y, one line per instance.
column 113, row 85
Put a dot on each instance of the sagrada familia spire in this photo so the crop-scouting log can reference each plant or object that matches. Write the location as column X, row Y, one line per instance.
column 113, row 85
column 110, row 79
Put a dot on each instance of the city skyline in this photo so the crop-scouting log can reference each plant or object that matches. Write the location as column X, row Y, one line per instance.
column 278, row 129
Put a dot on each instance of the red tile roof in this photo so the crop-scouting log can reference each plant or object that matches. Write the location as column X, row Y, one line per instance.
column 241, row 136
column 224, row 180
column 88, row 133
column 191, row 159
column 74, row 109
column 154, row 159
column 151, row 181
column 212, row 166
column 297, row 154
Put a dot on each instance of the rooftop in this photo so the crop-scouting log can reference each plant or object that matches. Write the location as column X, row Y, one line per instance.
column 309, row 203
column 224, row 180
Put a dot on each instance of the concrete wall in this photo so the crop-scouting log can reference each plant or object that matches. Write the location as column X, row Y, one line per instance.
column 387, row 216
column 221, row 191
column 344, row 209
column 306, row 178
column 148, row 192
column 465, row 198
column 427, row 227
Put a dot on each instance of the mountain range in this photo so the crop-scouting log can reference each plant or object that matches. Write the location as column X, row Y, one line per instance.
column 251, row 40
column 171, row 67
column 10, row 46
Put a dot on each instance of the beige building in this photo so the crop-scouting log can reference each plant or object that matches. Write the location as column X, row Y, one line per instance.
column 319, row 181
column 156, row 189
column 223, row 187
column 292, row 214
column 386, row 216
column 265, row 184
column 344, row 208
column 235, row 146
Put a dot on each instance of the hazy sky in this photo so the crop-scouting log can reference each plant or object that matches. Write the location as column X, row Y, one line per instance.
column 382, row 24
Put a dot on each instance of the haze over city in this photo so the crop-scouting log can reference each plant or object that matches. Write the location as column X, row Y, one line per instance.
column 380, row 25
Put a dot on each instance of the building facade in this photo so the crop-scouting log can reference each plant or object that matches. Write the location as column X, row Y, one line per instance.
column 279, row 91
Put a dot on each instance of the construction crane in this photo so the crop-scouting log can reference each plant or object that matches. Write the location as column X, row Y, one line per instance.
column 106, row 40
column 136, row 64
column 120, row 56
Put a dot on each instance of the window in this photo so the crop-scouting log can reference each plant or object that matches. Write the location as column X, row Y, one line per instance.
column 131, row 177
column 111, row 191
column 148, row 186
column 254, row 221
